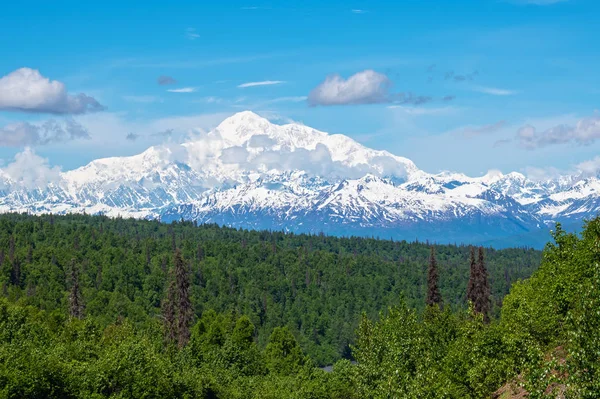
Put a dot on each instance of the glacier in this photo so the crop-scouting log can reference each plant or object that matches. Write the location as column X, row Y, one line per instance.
column 251, row 173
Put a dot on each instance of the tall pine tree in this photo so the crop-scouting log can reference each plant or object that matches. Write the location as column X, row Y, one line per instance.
column 185, row 312
column 434, row 298
column 473, row 278
column 168, row 309
column 478, row 289
column 485, row 292
column 75, row 298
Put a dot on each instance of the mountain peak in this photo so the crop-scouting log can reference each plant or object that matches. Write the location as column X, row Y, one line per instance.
column 239, row 127
column 244, row 118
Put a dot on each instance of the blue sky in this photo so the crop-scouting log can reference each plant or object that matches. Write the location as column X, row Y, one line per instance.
column 465, row 85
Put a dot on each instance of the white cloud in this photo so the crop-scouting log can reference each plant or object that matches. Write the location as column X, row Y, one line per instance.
column 27, row 90
column 316, row 162
column 543, row 174
column 238, row 155
column 183, row 90
column 494, row 91
column 30, row 171
column 585, row 132
column 358, row 11
column 590, row 167
column 366, row 87
column 50, row 132
column 261, row 83
column 260, row 140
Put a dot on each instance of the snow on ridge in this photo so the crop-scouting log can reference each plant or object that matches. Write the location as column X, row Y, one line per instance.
column 245, row 166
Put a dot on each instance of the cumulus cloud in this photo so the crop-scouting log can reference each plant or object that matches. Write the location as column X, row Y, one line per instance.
column 238, row 155
column 50, row 132
column 31, row 171
column 587, row 168
column 261, row 83
column 165, row 80
column 585, row 132
column 543, row 174
column 316, row 162
column 260, row 140
column 26, row 90
column 590, row 167
column 473, row 131
column 366, row 87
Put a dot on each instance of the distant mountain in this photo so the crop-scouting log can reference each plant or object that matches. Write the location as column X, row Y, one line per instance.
column 251, row 173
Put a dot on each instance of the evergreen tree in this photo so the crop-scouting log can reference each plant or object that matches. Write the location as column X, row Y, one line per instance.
column 168, row 309
column 484, row 299
column 473, row 278
column 185, row 313
column 434, row 298
column 75, row 298
column 478, row 289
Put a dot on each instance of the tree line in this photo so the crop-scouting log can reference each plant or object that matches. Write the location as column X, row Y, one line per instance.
column 97, row 307
column 317, row 286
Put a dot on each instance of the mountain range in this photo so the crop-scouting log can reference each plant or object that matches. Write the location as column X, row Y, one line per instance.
column 251, row 173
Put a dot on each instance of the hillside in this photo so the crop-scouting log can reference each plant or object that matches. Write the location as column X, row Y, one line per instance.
column 316, row 285
column 87, row 311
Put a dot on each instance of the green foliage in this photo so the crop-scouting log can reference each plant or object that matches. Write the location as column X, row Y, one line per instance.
column 270, row 307
column 283, row 355
column 317, row 286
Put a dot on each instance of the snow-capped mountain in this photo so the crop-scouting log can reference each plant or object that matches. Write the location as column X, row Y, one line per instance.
column 251, row 173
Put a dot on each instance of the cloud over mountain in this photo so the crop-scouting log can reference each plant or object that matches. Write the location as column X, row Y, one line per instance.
column 26, row 90
column 29, row 171
column 585, row 132
column 50, row 132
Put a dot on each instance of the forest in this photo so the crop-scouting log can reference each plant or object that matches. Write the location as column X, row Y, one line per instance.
column 95, row 307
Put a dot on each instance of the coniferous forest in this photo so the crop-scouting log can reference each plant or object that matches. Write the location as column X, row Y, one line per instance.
column 93, row 307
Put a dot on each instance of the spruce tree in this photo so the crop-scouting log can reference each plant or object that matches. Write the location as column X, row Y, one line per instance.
column 15, row 274
column 473, row 278
column 485, row 293
column 168, row 309
column 75, row 298
column 434, row 298
column 185, row 313
column 478, row 289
